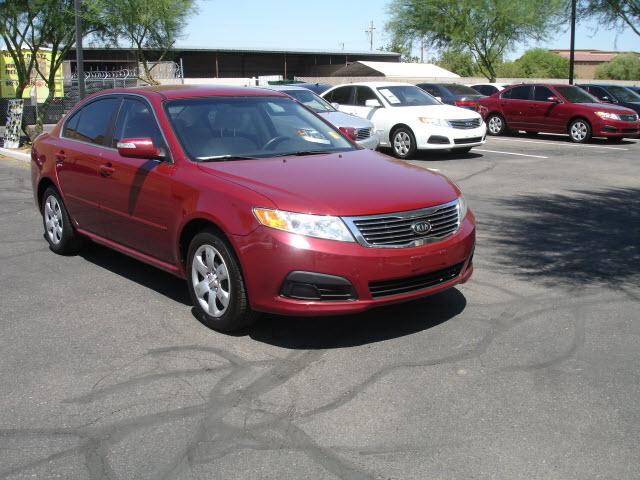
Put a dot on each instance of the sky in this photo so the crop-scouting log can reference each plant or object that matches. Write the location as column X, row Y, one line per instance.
column 327, row 25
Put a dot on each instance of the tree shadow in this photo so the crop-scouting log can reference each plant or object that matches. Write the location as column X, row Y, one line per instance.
column 162, row 282
column 579, row 238
column 384, row 323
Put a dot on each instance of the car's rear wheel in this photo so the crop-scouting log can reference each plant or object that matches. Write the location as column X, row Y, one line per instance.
column 496, row 124
column 403, row 142
column 579, row 131
column 216, row 285
column 58, row 230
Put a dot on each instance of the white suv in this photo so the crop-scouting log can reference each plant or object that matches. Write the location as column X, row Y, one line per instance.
column 408, row 119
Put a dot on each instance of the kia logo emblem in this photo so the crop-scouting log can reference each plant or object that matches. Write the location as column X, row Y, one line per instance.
column 421, row 227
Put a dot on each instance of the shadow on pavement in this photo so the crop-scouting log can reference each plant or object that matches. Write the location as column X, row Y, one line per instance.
column 162, row 282
column 376, row 325
column 579, row 238
column 566, row 139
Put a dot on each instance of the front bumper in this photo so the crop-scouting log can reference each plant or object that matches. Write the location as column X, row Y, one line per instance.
column 616, row 128
column 269, row 256
column 439, row 138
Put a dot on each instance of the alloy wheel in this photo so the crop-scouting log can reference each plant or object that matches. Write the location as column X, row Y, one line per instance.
column 579, row 131
column 210, row 279
column 402, row 143
column 53, row 219
column 495, row 125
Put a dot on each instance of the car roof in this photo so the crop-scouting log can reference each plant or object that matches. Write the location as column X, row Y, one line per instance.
column 280, row 88
column 376, row 84
column 171, row 92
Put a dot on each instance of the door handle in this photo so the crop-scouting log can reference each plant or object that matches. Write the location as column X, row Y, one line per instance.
column 106, row 170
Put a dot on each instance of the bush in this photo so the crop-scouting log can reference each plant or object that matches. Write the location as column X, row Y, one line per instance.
column 510, row 70
column 622, row 67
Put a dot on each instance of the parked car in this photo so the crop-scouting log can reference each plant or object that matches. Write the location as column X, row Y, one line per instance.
column 489, row 88
column 360, row 130
column 260, row 204
column 317, row 88
column 453, row 94
column 635, row 89
column 617, row 94
column 408, row 119
column 557, row 109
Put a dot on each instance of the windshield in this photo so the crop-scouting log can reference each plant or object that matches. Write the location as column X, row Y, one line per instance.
column 222, row 128
column 624, row 94
column 407, row 96
column 576, row 95
column 458, row 89
column 310, row 100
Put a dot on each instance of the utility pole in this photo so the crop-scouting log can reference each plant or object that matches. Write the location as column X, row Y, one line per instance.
column 572, row 51
column 369, row 31
column 421, row 49
column 79, row 54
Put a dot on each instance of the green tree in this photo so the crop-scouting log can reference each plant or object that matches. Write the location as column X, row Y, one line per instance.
column 486, row 28
column 622, row 67
column 614, row 13
column 458, row 61
column 541, row 63
column 147, row 25
column 510, row 70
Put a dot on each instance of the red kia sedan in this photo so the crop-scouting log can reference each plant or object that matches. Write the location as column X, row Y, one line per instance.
column 256, row 201
column 556, row 109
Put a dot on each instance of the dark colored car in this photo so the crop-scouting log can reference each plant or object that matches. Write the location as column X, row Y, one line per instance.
column 617, row 94
column 453, row 94
column 556, row 109
column 489, row 88
column 635, row 89
column 316, row 88
column 256, row 201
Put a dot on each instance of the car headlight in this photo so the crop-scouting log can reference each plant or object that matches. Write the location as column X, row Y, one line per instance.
column 608, row 115
column 320, row 226
column 462, row 208
column 438, row 122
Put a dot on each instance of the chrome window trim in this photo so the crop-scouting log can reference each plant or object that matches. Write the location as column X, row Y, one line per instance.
column 409, row 214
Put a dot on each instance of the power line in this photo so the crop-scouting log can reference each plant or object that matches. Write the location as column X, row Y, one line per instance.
column 369, row 32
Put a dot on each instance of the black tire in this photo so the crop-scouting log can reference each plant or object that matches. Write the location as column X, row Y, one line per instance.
column 496, row 124
column 579, row 131
column 237, row 314
column 58, row 229
column 403, row 142
column 461, row 150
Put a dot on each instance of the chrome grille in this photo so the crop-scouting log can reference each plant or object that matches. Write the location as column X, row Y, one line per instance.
column 628, row 117
column 363, row 133
column 396, row 230
column 467, row 123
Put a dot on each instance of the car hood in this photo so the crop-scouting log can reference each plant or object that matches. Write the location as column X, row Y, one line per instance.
column 606, row 107
column 358, row 182
column 447, row 112
column 341, row 119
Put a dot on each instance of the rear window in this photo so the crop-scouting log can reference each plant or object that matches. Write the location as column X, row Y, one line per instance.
column 458, row 89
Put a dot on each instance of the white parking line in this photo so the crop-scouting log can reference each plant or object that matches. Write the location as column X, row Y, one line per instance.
column 509, row 153
column 518, row 140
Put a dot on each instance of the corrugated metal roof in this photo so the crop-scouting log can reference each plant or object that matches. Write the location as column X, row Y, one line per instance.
column 183, row 48
column 401, row 70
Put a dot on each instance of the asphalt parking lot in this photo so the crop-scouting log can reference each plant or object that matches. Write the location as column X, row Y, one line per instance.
column 529, row 371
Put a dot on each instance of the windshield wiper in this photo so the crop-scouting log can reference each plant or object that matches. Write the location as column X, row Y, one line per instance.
column 301, row 153
column 215, row 158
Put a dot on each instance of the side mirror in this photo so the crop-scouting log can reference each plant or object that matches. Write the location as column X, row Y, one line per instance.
column 553, row 99
column 372, row 103
column 438, row 98
column 335, row 105
column 138, row 148
column 606, row 99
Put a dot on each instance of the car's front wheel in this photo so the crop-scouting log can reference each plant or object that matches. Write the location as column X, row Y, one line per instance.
column 216, row 285
column 58, row 230
column 496, row 124
column 403, row 142
column 580, row 131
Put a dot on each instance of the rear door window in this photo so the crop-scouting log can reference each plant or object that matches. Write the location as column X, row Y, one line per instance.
column 522, row 92
column 92, row 122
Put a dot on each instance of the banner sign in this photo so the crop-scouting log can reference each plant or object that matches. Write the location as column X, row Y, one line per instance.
column 14, row 122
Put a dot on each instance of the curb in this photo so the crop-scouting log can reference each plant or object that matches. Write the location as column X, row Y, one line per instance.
column 23, row 157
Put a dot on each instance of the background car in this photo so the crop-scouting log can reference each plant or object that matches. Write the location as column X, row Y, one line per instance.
column 314, row 87
column 489, row 88
column 409, row 119
column 358, row 129
column 556, row 109
column 453, row 94
column 634, row 88
column 618, row 94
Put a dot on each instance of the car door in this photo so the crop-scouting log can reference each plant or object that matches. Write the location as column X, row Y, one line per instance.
column 514, row 104
column 139, row 207
column 341, row 98
column 359, row 108
column 83, row 142
column 542, row 111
